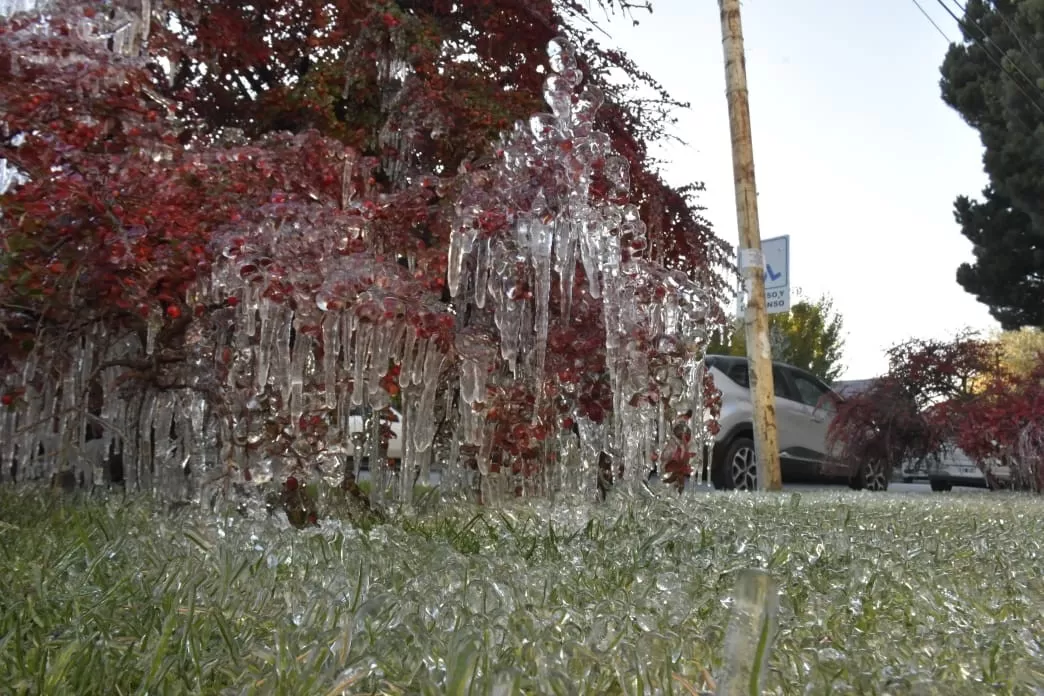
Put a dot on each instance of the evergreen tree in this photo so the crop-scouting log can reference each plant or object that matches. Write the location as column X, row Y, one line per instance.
column 994, row 78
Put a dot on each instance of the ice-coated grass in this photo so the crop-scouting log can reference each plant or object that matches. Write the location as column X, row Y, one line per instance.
column 880, row 594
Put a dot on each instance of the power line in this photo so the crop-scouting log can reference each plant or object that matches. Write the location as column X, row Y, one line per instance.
column 998, row 63
column 930, row 19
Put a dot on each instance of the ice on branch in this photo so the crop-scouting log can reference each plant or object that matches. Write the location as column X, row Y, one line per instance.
column 566, row 356
column 9, row 8
column 558, row 195
column 10, row 176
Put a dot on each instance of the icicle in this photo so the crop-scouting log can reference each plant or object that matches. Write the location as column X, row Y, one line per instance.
column 111, row 406
column 382, row 345
column 663, row 436
column 472, row 380
column 408, row 353
column 397, row 342
column 485, row 450
column 417, row 368
column 122, row 39
column 481, row 273
column 565, row 262
column 248, row 309
column 461, row 241
column 589, row 254
column 410, row 460
column 9, row 174
column 266, row 343
column 197, row 412
column 131, row 425
column 293, row 393
column 424, row 426
column 150, row 443
column 363, row 335
column 425, row 458
column 454, row 472
column 348, row 327
column 282, row 323
column 40, row 413
column 526, row 334
column 542, row 302
column 166, row 446
column 331, row 352
column 186, row 447
column 68, row 417
column 472, row 424
column 508, row 317
column 347, row 187
column 378, row 463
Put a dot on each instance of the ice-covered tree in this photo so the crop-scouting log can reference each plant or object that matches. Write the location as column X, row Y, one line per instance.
column 228, row 227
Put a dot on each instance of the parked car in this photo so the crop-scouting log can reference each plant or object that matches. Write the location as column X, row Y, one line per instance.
column 953, row 467
column 805, row 408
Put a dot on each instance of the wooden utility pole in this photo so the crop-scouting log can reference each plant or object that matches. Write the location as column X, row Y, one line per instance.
column 751, row 260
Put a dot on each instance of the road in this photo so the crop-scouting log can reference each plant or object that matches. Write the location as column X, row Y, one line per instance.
column 918, row 488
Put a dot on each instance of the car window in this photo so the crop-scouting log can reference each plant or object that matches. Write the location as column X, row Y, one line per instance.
column 779, row 383
column 811, row 392
column 738, row 373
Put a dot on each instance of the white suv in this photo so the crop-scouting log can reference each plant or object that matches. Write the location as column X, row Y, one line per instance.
column 805, row 407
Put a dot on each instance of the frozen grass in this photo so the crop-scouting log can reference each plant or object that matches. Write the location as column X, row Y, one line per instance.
column 881, row 594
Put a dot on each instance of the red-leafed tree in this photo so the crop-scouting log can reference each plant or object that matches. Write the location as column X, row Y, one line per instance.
column 317, row 153
column 899, row 417
column 1003, row 425
column 940, row 394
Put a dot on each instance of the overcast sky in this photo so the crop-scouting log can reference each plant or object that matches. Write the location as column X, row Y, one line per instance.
column 857, row 157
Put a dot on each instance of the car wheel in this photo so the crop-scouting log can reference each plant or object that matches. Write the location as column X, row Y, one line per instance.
column 739, row 467
column 940, row 486
column 872, row 476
